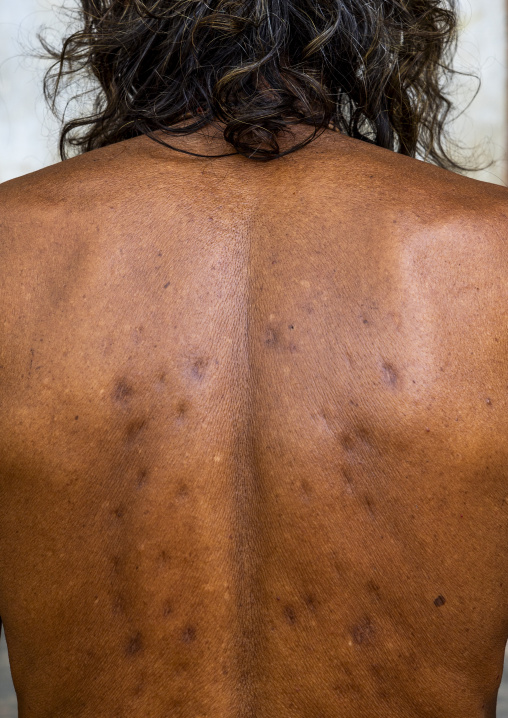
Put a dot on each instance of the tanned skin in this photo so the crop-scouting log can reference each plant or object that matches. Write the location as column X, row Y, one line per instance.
column 253, row 435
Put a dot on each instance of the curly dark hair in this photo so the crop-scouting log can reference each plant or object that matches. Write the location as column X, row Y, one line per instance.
column 376, row 70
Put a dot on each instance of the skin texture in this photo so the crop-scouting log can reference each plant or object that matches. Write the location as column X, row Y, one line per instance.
column 253, row 435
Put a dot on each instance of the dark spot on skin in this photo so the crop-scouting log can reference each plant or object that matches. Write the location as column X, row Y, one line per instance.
column 347, row 440
column 163, row 558
column 390, row 375
column 134, row 645
column 439, row 601
column 182, row 493
column 167, row 608
column 141, row 478
column 347, row 477
column 489, row 402
column 271, row 338
column 290, row 615
column 181, row 410
column 189, row 634
column 167, row 285
column 123, row 391
column 162, row 378
column 369, row 505
column 373, row 587
column 363, row 632
column 306, row 487
column 310, row 603
column 76, row 418
column 133, row 430
column 291, row 326
column 119, row 512
column 198, row 367
column 365, row 321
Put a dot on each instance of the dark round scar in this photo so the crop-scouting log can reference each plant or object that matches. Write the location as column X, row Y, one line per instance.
column 189, row 634
column 135, row 644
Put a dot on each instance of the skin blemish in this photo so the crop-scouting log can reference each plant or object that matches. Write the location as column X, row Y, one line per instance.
column 182, row 493
column 133, row 430
column 167, row 285
column 290, row 615
column 119, row 512
column 198, row 367
column 390, row 375
column 167, row 608
column 163, row 558
column 141, row 478
column 310, row 603
column 439, row 601
column 134, row 645
column 123, row 391
column 189, row 634
column 373, row 588
column 306, row 488
column 181, row 410
column 369, row 505
column 363, row 632
column 347, row 440
column 271, row 339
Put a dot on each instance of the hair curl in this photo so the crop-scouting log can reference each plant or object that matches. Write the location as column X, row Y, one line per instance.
column 373, row 69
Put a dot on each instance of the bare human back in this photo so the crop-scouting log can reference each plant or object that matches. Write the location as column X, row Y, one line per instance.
column 253, row 426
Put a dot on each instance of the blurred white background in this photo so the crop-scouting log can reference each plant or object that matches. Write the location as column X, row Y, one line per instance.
column 29, row 134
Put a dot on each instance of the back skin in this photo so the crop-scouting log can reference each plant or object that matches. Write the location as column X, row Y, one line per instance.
column 253, row 435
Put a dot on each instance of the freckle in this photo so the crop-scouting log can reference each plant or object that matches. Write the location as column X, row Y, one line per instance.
column 306, row 487
column 363, row 632
column 76, row 418
column 347, row 440
column 162, row 378
column 290, row 615
column 167, row 608
column 182, row 492
column 189, row 634
column 133, row 429
column 134, row 645
column 390, row 375
column 181, row 410
column 291, row 326
column 310, row 603
column 123, row 391
column 374, row 588
column 141, row 479
column 439, row 601
column 163, row 557
column 119, row 512
column 167, row 285
column 369, row 505
column 198, row 367
column 271, row 338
